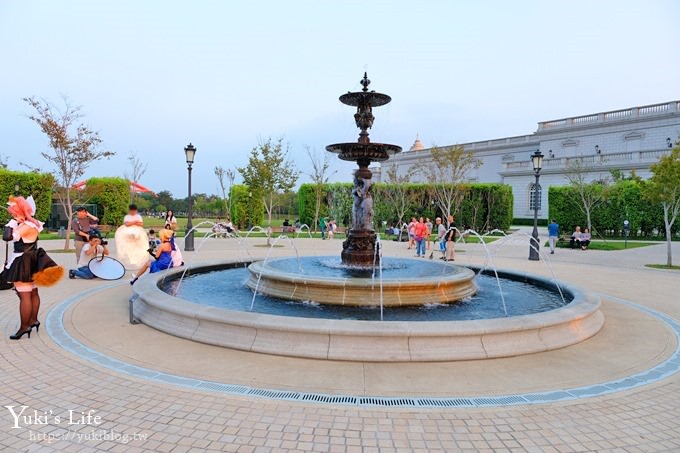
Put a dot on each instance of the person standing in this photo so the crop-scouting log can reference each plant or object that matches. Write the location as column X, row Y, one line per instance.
column 81, row 226
column 553, row 233
column 441, row 236
column 170, row 220
column 323, row 223
column 332, row 227
column 412, row 233
column 133, row 218
column 92, row 249
column 30, row 266
column 428, row 224
column 420, row 232
column 451, row 239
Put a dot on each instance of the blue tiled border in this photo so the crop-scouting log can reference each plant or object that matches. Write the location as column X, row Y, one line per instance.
column 57, row 331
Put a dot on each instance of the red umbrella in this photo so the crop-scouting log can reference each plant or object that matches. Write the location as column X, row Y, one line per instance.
column 138, row 188
column 134, row 187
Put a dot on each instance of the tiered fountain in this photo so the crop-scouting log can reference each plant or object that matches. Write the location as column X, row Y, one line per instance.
column 404, row 282
column 359, row 248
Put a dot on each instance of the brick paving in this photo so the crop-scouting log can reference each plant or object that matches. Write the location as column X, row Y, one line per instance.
column 138, row 415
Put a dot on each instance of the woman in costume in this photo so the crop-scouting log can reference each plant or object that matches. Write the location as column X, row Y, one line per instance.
column 30, row 266
column 163, row 256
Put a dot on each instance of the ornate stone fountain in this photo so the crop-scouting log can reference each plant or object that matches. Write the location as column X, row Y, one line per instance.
column 358, row 250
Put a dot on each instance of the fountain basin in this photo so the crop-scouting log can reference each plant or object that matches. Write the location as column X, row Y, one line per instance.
column 381, row 341
column 405, row 282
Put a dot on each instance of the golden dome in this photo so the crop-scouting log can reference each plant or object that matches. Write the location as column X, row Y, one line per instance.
column 417, row 145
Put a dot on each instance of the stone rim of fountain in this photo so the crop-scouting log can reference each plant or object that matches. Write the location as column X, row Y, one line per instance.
column 350, row 340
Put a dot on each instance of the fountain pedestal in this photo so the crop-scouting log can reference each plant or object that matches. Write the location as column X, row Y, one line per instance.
column 359, row 249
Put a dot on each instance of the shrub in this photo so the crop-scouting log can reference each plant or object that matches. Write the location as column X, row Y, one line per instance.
column 39, row 185
column 112, row 196
column 623, row 201
column 246, row 208
column 485, row 207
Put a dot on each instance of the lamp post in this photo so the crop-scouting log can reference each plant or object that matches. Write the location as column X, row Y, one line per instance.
column 537, row 161
column 189, row 152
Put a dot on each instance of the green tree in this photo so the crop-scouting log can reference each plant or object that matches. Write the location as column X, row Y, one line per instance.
column 319, row 176
column 339, row 201
column 246, row 210
column 73, row 147
column 137, row 169
column 664, row 188
column 225, row 179
column 590, row 193
column 400, row 195
column 269, row 172
column 164, row 198
column 447, row 171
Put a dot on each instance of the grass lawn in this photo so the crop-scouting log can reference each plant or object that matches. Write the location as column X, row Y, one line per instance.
column 663, row 266
column 606, row 246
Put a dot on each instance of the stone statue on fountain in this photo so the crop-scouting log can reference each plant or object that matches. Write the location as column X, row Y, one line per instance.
column 362, row 210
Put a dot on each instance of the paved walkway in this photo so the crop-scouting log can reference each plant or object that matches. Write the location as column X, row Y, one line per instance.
column 139, row 415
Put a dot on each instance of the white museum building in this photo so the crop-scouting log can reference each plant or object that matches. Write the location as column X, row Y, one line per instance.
column 626, row 140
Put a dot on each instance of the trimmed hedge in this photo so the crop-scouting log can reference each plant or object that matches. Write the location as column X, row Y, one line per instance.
column 246, row 207
column 623, row 201
column 485, row 207
column 112, row 196
column 40, row 185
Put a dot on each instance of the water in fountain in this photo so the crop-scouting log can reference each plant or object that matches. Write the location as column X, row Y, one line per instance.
column 226, row 289
column 255, row 229
column 301, row 230
column 378, row 264
column 242, row 247
column 493, row 265
column 507, row 239
column 269, row 252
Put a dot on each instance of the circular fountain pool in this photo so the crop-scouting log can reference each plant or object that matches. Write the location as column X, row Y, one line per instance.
column 221, row 316
column 232, row 289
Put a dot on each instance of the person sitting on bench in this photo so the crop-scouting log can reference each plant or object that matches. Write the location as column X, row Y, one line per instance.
column 585, row 239
column 575, row 241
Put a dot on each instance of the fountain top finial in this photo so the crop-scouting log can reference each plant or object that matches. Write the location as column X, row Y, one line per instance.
column 365, row 82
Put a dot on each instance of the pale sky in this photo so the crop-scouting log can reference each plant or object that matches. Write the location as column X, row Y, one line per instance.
column 154, row 75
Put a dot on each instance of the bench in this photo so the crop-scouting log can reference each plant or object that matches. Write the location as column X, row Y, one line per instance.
column 105, row 230
column 293, row 230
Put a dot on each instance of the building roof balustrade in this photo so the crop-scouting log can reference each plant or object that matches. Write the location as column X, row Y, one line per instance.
column 613, row 115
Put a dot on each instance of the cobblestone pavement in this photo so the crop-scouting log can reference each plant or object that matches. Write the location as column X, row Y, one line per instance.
column 138, row 415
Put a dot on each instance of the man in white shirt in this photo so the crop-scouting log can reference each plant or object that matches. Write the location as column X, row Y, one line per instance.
column 133, row 218
column 93, row 248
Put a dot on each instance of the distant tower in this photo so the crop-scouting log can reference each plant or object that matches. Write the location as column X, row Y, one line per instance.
column 417, row 145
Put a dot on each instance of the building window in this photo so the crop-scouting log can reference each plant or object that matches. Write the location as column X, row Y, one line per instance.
column 534, row 196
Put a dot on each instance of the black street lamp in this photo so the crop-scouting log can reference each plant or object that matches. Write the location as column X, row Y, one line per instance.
column 189, row 152
column 537, row 161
